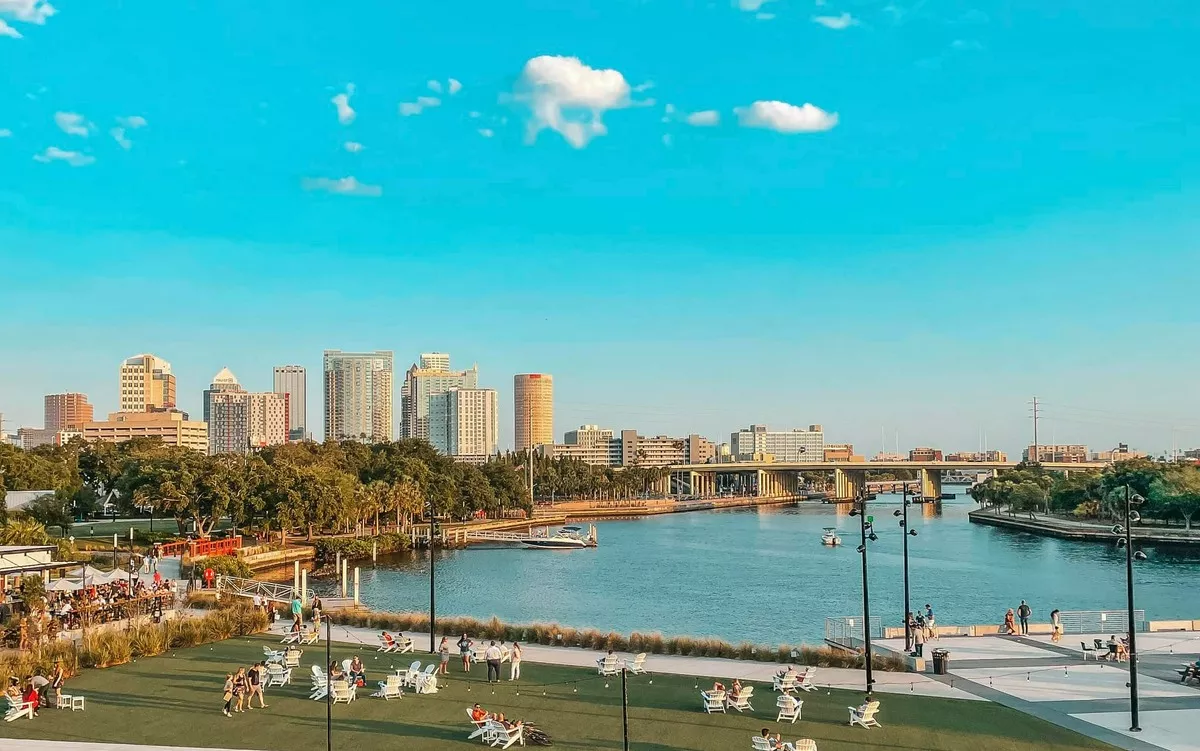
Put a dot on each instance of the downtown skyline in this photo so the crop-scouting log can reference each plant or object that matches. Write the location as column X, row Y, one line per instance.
column 684, row 235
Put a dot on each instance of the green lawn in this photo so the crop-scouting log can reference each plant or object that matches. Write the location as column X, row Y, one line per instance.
column 176, row 699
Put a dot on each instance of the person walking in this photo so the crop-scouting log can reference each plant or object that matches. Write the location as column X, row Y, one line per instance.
column 492, row 655
column 255, row 685
column 919, row 642
column 444, row 656
column 228, row 694
column 464, row 649
column 930, row 623
column 297, row 610
column 1023, row 613
column 514, row 662
column 910, row 623
column 1056, row 629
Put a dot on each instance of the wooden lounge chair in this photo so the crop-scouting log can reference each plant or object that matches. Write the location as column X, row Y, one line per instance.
column 608, row 665
column 742, row 701
column 291, row 658
column 343, row 692
column 310, row 637
column 18, row 709
column 404, row 645
column 291, row 637
column 278, row 675
column 805, row 682
column 789, row 708
column 481, row 727
column 638, row 666
column 787, row 682
column 865, row 715
column 502, row 736
column 714, row 701
column 806, row 744
column 389, row 689
column 387, row 643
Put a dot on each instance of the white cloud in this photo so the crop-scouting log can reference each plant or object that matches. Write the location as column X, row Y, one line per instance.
column 345, row 113
column 353, row 146
column 667, row 140
column 786, row 118
column 55, row 154
column 28, row 11
column 435, row 86
column 473, row 114
column 487, row 132
column 750, row 5
column 8, row 31
column 764, row 16
column 71, row 123
column 118, row 135
column 704, row 119
column 133, row 122
column 346, row 186
column 569, row 97
column 5, row 133
column 836, row 23
column 415, row 108
column 643, row 87
column 453, row 86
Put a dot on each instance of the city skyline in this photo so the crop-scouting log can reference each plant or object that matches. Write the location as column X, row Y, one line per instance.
column 916, row 220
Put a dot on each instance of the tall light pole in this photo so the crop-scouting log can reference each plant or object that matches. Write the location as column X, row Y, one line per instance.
column 868, row 533
column 907, row 532
column 432, row 565
column 1130, row 555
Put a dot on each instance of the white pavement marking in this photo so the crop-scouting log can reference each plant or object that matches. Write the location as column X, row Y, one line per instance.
column 1172, row 729
column 700, row 667
column 1074, row 682
column 23, row 745
column 977, row 648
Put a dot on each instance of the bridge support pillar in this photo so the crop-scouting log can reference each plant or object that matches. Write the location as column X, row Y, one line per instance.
column 931, row 483
column 847, row 484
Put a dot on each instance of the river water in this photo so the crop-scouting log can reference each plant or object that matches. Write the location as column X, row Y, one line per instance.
column 762, row 575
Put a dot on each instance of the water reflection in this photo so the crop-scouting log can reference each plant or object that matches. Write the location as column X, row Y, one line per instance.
column 762, row 574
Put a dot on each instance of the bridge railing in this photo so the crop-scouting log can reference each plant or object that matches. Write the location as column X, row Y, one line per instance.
column 847, row 632
column 1100, row 621
column 273, row 591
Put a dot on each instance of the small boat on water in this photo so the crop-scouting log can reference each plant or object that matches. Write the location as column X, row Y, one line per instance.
column 566, row 538
column 830, row 537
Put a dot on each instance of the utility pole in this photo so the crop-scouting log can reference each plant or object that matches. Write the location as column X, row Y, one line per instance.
column 1036, row 454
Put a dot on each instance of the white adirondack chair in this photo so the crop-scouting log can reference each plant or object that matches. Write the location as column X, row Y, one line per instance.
column 18, row 709
column 426, row 682
column 608, row 665
column 714, row 701
column 387, row 644
column 291, row 637
column 865, row 715
column 503, row 737
column 389, row 689
column 404, row 644
column 320, row 683
column 638, row 666
column 409, row 676
column 273, row 655
column 789, row 681
column 311, row 637
column 291, row 658
column 806, row 744
column 742, row 702
column 789, row 708
column 759, row 743
column 343, row 692
column 278, row 675
column 806, row 680
column 481, row 727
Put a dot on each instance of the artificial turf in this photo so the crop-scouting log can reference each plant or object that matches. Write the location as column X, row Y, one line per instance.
column 176, row 699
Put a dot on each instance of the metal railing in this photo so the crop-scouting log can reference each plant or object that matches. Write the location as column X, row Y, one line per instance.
column 271, row 591
column 848, row 631
column 1100, row 621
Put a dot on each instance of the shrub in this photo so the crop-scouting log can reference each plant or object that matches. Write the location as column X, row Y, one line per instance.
column 227, row 565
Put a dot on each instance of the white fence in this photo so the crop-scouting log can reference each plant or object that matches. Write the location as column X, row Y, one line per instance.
column 1100, row 621
column 269, row 591
column 848, row 632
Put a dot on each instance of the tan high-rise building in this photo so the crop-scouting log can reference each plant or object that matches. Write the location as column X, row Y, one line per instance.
column 172, row 427
column 67, row 411
column 147, row 384
column 533, row 410
column 358, row 396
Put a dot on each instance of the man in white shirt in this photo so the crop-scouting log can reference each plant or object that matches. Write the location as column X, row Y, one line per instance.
column 492, row 655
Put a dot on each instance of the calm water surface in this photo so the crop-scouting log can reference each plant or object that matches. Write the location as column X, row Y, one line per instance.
column 761, row 575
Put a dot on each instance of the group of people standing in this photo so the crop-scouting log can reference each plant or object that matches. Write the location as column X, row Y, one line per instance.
column 241, row 688
column 921, row 627
column 493, row 656
column 1016, row 622
column 37, row 690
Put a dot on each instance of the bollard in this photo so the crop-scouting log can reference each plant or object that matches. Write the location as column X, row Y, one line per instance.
column 303, row 586
column 295, row 576
column 356, row 585
column 374, row 552
column 343, row 578
column 337, row 564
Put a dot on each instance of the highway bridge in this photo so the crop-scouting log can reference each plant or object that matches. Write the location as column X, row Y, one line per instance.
column 781, row 479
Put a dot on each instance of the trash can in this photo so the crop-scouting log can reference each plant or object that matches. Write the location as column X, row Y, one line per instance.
column 941, row 661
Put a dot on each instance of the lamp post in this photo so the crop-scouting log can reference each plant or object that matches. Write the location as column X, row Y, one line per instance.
column 907, row 532
column 867, row 532
column 432, row 565
column 1125, row 538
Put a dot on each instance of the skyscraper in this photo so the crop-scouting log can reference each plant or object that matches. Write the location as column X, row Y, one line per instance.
column 533, row 410
column 422, row 383
column 239, row 420
column 147, row 384
column 293, row 381
column 66, row 411
column 358, row 395
column 465, row 423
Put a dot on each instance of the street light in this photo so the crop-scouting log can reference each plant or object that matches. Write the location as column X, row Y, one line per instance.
column 1131, row 555
column 432, row 565
column 907, row 532
column 867, row 531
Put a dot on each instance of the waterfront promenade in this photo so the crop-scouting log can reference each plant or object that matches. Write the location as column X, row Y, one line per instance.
column 1072, row 529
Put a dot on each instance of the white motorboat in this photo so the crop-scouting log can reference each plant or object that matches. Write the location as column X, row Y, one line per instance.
column 564, row 539
column 830, row 537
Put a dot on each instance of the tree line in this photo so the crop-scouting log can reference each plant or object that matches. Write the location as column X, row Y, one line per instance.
column 1171, row 490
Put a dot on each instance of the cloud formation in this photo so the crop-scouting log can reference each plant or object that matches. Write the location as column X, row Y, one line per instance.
column 8, row 31
column 345, row 113
column 55, row 154
column 704, row 119
column 5, row 133
column 133, row 122
column 71, row 123
column 569, row 97
column 352, row 146
column 423, row 103
column 346, row 186
column 118, row 135
column 453, row 86
column 782, row 117
column 487, row 132
column 837, row 23
column 750, row 6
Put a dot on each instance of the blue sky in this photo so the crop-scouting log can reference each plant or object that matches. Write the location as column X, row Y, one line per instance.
column 907, row 215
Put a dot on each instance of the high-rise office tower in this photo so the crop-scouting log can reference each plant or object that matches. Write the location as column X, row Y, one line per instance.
column 422, row 383
column 66, row 411
column 358, row 395
column 239, row 420
column 147, row 384
column 533, row 410
column 465, row 423
column 293, row 381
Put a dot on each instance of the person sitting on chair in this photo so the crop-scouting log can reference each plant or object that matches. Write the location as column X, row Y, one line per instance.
column 775, row 741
